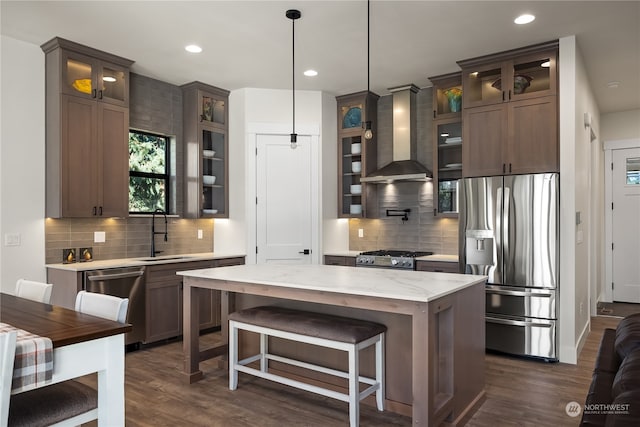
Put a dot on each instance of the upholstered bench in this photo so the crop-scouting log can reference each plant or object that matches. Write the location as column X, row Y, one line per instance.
column 350, row 335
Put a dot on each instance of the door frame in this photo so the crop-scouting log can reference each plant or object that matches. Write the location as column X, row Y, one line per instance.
column 609, row 146
column 254, row 130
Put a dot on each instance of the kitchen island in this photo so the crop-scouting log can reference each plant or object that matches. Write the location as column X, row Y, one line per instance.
column 435, row 339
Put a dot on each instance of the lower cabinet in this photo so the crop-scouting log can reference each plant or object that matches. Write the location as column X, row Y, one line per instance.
column 437, row 266
column 164, row 298
column 348, row 261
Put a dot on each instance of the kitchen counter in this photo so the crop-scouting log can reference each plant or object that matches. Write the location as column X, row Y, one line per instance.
column 343, row 253
column 142, row 261
column 414, row 286
column 439, row 258
column 434, row 360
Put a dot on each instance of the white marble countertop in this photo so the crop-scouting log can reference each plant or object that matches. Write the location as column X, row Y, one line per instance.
column 343, row 253
column 133, row 262
column 418, row 286
column 439, row 257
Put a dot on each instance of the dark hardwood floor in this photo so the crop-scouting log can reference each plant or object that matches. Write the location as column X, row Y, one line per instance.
column 519, row 393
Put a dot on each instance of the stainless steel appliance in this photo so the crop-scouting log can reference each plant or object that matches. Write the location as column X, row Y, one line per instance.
column 509, row 231
column 125, row 282
column 404, row 260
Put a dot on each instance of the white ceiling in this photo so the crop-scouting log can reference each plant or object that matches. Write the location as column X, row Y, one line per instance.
column 248, row 43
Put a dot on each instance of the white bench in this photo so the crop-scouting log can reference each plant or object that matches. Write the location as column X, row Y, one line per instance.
column 350, row 335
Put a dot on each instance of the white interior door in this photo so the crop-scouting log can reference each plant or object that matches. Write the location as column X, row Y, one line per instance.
column 283, row 187
column 626, row 225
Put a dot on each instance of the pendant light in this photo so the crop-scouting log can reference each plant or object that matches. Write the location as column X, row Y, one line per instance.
column 293, row 14
column 368, row 133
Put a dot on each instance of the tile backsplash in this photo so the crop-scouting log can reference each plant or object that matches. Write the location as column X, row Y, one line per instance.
column 422, row 232
column 126, row 237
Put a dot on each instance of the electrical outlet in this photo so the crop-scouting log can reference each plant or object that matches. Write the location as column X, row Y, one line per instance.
column 200, row 234
column 99, row 237
column 360, row 232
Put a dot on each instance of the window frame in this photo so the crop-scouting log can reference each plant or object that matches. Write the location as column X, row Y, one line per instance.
column 166, row 176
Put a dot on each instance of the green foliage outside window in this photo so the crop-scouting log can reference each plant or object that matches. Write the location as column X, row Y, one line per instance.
column 148, row 172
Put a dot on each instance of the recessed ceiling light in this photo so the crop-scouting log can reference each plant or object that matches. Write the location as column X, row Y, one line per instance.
column 613, row 85
column 524, row 19
column 546, row 64
column 109, row 79
column 311, row 73
column 192, row 48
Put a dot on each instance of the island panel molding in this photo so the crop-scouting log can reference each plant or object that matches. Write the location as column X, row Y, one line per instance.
column 427, row 315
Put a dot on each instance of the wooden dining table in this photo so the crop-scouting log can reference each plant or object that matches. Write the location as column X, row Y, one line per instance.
column 82, row 345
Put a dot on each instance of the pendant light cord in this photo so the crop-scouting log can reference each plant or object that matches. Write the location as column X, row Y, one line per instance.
column 293, row 14
column 293, row 72
column 368, row 43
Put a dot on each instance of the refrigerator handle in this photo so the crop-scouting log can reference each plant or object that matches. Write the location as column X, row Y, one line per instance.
column 504, row 236
column 498, row 238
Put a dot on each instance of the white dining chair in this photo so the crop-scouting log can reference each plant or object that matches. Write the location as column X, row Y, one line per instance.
column 7, row 356
column 77, row 401
column 36, row 291
column 101, row 305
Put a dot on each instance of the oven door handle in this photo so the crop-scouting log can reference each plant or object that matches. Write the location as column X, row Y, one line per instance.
column 524, row 323
column 99, row 278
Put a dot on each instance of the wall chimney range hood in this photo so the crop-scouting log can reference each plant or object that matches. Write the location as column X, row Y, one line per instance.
column 404, row 166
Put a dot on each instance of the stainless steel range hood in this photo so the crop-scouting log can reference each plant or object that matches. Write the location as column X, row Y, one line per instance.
column 404, row 166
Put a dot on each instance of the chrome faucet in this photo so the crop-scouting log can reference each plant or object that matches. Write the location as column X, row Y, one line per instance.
column 154, row 232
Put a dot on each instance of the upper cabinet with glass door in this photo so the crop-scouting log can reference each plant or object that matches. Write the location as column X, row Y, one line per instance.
column 206, row 145
column 357, row 155
column 91, row 74
column 508, row 76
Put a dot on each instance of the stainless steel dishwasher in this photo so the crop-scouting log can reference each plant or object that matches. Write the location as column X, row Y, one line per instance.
column 125, row 282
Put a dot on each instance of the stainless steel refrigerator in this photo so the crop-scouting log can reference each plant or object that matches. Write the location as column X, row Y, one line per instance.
column 509, row 231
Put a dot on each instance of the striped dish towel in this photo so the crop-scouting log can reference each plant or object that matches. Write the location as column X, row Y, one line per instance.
column 33, row 366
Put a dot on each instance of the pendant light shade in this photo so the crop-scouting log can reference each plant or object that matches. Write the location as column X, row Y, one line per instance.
column 368, row 132
column 293, row 14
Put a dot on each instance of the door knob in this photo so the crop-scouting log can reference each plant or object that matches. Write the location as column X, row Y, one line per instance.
column 305, row 252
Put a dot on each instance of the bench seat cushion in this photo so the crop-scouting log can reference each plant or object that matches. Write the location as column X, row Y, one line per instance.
column 51, row 404
column 319, row 325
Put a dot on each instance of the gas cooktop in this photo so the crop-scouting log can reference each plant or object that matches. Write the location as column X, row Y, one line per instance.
column 390, row 259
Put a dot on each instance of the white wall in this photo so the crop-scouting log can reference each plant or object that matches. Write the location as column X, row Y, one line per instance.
column 22, row 160
column 581, row 191
column 268, row 108
column 620, row 125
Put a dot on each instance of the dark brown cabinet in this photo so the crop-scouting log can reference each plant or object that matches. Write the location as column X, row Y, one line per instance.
column 448, row 141
column 510, row 112
column 87, row 166
column 357, row 156
column 164, row 298
column 437, row 266
column 347, row 261
column 206, row 145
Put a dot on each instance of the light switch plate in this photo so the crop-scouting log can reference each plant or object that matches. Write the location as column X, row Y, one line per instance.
column 99, row 237
column 12, row 239
column 360, row 232
column 200, row 234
